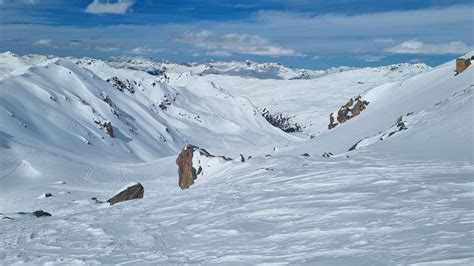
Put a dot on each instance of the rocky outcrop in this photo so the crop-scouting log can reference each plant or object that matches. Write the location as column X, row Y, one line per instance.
column 462, row 64
column 109, row 129
column 122, row 85
column 190, row 162
column 129, row 192
column 187, row 173
column 281, row 121
column 348, row 111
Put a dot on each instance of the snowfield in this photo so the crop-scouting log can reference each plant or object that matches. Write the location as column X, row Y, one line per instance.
column 403, row 195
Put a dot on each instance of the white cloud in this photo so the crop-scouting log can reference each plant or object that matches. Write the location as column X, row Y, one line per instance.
column 219, row 53
column 419, row 47
column 370, row 58
column 145, row 50
column 30, row 2
column 44, row 42
column 234, row 43
column 106, row 49
column 101, row 7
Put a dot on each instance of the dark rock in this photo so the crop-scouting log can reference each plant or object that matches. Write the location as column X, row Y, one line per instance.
column 331, row 121
column 242, row 158
column 41, row 213
column 109, row 129
column 305, row 154
column 47, row 195
column 132, row 191
column 95, row 200
column 327, row 154
column 354, row 146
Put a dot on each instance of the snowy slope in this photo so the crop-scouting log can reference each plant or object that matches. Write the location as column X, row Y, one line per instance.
column 441, row 102
column 60, row 105
column 309, row 102
column 364, row 210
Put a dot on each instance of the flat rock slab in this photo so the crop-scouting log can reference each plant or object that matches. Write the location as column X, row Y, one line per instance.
column 129, row 192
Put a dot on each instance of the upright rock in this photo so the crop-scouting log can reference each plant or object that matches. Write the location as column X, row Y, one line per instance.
column 191, row 161
column 131, row 191
column 187, row 173
column 109, row 129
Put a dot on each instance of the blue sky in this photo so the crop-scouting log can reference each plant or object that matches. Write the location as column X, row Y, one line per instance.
column 302, row 33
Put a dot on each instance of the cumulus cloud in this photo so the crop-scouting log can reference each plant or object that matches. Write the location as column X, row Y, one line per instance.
column 44, row 42
column 108, row 7
column 419, row 47
column 234, row 43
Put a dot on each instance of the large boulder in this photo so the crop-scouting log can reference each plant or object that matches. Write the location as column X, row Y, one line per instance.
column 129, row 192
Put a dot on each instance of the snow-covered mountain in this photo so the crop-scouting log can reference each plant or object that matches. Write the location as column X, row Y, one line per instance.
column 426, row 116
column 65, row 105
column 391, row 183
column 247, row 69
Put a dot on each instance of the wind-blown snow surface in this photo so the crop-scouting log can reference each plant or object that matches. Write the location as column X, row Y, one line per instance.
column 405, row 199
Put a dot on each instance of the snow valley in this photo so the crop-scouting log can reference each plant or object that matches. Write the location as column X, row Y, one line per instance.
column 237, row 162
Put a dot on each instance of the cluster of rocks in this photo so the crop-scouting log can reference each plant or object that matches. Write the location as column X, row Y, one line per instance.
column 123, row 85
column 400, row 125
column 107, row 125
column 164, row 104
column 348, row 111
column 281, row 121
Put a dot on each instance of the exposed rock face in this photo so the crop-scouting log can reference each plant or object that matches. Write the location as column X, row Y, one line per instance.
column 462, row 64
column 129, row 192
column 187, row 173
column 281, row 121
column 350, row 110
column 331, row 122
column 109, row 129
column 122, row 85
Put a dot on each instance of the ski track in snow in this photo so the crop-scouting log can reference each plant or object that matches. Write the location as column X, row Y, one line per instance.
column 361, row 210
